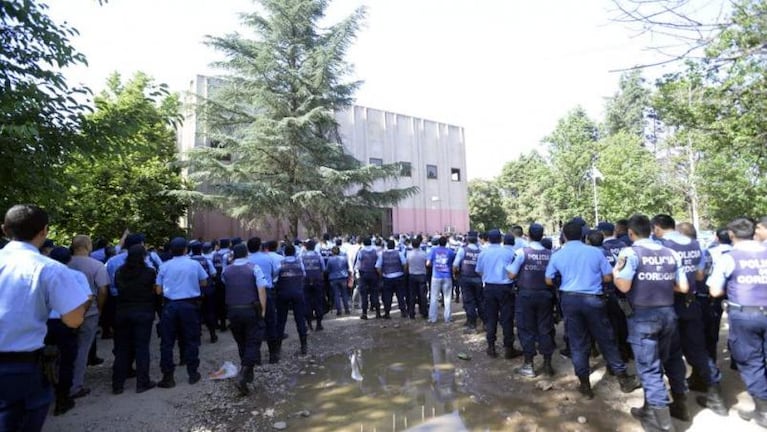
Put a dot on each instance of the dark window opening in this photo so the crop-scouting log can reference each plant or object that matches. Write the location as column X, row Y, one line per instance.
column 376, row 161
column 405, row 169
column 225, row 156
column 431, row 171
column 455, row 174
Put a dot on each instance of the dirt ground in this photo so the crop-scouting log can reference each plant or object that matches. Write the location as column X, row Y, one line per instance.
column 411, row 372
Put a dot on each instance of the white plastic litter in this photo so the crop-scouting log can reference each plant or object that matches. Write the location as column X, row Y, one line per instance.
column 356, row 360
column 227, row 370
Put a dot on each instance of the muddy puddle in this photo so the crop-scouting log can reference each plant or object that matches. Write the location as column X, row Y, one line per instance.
column 409, row 381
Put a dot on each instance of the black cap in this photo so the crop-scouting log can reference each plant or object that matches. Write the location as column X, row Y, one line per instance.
column 178, row 243
column 605, row 226
column 494, row 236
column 508, row 239
column 535, row 229
column 132, row 240
column 61, row 254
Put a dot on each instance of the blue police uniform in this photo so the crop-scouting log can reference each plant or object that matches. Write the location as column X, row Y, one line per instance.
column 208, row 307
column 689, row 312
column 369, row 279
column 338, row 276
column 180, row 280
column 416, row 282
column 493, row 265
column 535, row 301
column 290, row 295
column 615, row 299
column 221, row 259
column 314, row 286
column 743, row 273
column 654, row 271
column 244, row 310
column 471, row 284
column 31, row 286
column 582, row 269
column 270, row 268
column 391, row 264
column 711, row 307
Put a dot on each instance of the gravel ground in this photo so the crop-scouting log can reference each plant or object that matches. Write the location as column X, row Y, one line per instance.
column 515, row 403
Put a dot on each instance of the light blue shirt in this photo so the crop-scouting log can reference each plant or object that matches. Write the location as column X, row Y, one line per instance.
column 581, row 266
column 632, row 260
column 267, row 265
column 261, row 280
column 180, row 278
column 519, row 257
column 494, row 263
column 725, row 265
column 82, row 286
column 31, row 285
column 402, row 259
column 461, row 254
column 519, row 243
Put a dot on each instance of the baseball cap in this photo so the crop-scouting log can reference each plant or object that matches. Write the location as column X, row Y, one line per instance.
column 535, row 229
column 605, row 226
column 178, row 243
column 132, row 240
column 494, row 235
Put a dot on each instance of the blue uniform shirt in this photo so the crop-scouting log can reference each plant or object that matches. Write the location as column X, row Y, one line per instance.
column 152, row 260
column 519, row 257
column 261, row 279
column 267, row 265
column 402, row 259
column 82, row 286
column 581, row 266
column 519, row 243
column 632, row 261
column 461, row 254
column 494, row 263
column 180, row 278
column 31, row 285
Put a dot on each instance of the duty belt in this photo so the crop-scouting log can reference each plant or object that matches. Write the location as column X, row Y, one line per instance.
column 580, row 294
column 193, row 300
column 747, row 309
column 21, row 356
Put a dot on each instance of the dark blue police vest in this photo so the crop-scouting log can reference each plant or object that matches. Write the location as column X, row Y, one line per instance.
column 368, row 258
column 391, row 262
column 532, row 275
column 240, row 284
column 312, row 265
column 690, row 255
column 747, row 285
column 655, row 277
column 613, row 248
column 469, row 263
column 291, row 276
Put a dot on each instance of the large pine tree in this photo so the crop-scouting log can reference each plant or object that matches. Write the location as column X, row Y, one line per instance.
column 277, row 153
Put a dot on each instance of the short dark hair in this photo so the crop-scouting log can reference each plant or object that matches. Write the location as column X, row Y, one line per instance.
column 442, row 241
column 178, row 251
column 366, row 241
column 641, row 225
column 417, row 242
column 289, row 250
column 572, row 231
column 23, row 222
column 723, row 236
column 271, row 245
column 389, row 244
column 240, row 251
column 687, row 229
column 196, row 248
column 335, row 250
column 535, row 236
column 742, row 228
column 254, row 244
column 595, row 238
column 664, row 221
column 517, row 231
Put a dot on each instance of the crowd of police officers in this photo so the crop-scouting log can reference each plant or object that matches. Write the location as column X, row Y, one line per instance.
column 642, row 289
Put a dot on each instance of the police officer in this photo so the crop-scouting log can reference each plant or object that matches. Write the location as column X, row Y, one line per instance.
column 712, row 307
column 616, row 300
column 269, row 267
column 519, row 237
column 290, row 295
column 742, row 274
column 221, row 258
column 369, row 279
column 760, row 233
column 650, row 274
column 31, row 286
column 179, row 281
column 338, row 275
column 391, row 265
column 416, row 281
column 441, row 263
column 493, row 264
column 245, row 303
column 208, row 307
column 314, row 284
column 583, row 270
column 689, row 313
column 465, row 265
column 535, row 302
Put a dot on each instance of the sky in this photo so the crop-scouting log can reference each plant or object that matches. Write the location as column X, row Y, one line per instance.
column 504, row 70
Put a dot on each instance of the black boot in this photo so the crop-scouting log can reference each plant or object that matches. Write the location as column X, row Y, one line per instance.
column 758, row 415
column 653, row 419
column 511, row 353
column 713, row 400
column 491, row 351
column 213, row 336
column 304, row 347
column 585, row 388
column 678, row 408
column 64, row 403
column 167, row 381
column 319, row 325
column 274, row 351
column 628, row 383
column 547, row 368
column 242, row 382
column 696, row 382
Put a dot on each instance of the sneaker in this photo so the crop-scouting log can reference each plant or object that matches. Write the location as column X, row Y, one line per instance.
column 526, row 370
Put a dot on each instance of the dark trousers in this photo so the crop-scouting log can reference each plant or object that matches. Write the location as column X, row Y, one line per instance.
column 270, row 317
column 208, row 307
column 651, row 332
column 107, row 317
column 473, row 300
column 692, row 339
column 219, row 300
column 416, row 294
column 499, row 306
column 748, row 344
column 586, row 318
column 368, row 286
column 711, row 313
column 248, row 331
column 133, row 330
column 618, row 323
column 287, row 300
column 25, row 396
column 390, row 287
column 180, row 317
column 340, row 294
column 314, row 294
column 535, row 321
column 65, row 339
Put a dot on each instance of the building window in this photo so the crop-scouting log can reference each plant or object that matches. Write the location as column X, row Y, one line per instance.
column 225, row 156
column 405, row 169
column 455, row 174
column 431, row 172
column 376, row 161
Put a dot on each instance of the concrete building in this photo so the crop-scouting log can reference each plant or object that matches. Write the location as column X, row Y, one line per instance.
column 433, row 156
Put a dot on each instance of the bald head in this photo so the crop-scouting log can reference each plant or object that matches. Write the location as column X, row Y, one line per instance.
column 82, row 245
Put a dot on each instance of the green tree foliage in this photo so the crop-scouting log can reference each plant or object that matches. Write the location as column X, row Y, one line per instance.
column 129, row 184
column 39, row 112
column 523, row 183
column 276, row 151
column 485, row 210
column 626, row 109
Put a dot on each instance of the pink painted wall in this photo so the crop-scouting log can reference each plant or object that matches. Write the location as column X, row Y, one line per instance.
column 429, row 220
